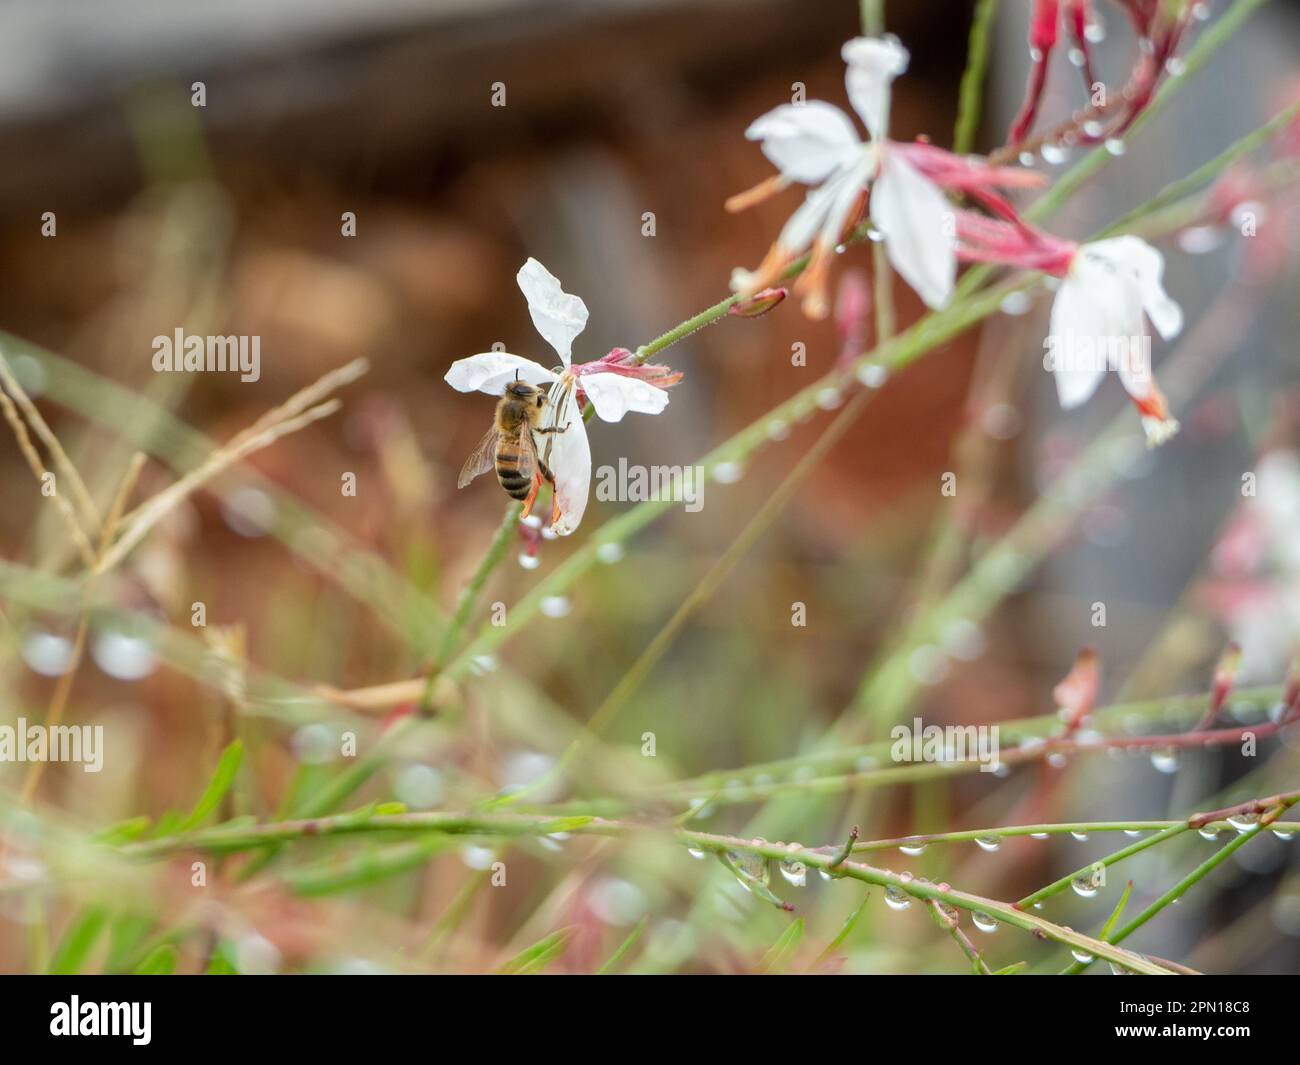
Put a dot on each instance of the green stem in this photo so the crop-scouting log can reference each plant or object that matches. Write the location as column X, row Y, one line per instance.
column 972, row 80
column 221, row 840
column 1174, row 893
column 1170, row 830
column 492, row 557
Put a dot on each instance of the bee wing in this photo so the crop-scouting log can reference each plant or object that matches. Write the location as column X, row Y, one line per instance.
column 527, row 452
column 481, row 459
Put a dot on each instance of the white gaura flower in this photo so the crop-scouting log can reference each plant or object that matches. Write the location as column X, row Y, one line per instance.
column 1109, row 290
column 615, row 384
column 816, row 144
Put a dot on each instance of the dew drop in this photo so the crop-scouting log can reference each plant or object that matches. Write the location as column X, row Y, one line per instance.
column 913, row 849
column 420, row 787
column 983, row 921
column 1208, row 833
column 830, row 398
column 528, row 561
column 124, row 656
column 872, row 374
column 1076, row 56
column 1132, row 832
column 556, row 606
column 1115, row 146
column 1027, row 158
column 1093, row 128
column 988, row 843
column 696, row 852
column 1095, row 31
column 48, row 654
column 1175, row 66
column 795, row 872
column 1040, row 835
column 728, row 472
column 896, row 898
column 477, row 857
column 610, row 553
column 1084, row 886
column 1054, row 154
column 1284, row 834
column 250, row 512
column 1244, row 823
column 1197, row 240
column 962, row 639
column 1165, row 759
column 482, row 664
column 1057, row 760
column 1079, row 835
column 778, row 430
column 1016, row 303
column 1081, row 955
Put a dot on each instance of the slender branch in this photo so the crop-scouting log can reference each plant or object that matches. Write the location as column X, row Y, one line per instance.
column 235, row 838
column 90, row 513
column 1177, row 828
column 972, row 80
column 1190, row 880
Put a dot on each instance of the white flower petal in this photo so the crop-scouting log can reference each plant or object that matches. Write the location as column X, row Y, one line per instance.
column 809, row 217
column 492, row 371
column 568, row 455
column 873, row 64
column 613, row 395
column 916, row 219
column 806, row 142
column 558, row 316
column 1137, row 259
column 1073, row 315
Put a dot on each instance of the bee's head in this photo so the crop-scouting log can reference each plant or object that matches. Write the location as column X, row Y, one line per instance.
column 523, row 390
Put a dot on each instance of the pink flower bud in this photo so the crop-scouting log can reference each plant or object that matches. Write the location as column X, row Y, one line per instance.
column 758, row 304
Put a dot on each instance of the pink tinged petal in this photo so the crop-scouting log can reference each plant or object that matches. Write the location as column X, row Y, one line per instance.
column 919, row 227
column 873, row 64
column 806, row 142
column 558, row 316
column 568, row 455
column 613, row 395
column 1073, row 316
column 1137, row 259
column 492, row 371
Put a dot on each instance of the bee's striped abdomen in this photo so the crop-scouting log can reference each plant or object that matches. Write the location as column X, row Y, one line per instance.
column 512, row 479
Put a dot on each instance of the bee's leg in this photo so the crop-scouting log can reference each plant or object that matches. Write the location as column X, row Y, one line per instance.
column 531, row 498
column 545, row 472
column 547, row 430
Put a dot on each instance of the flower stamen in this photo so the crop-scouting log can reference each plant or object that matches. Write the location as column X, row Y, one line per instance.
column 764, row 190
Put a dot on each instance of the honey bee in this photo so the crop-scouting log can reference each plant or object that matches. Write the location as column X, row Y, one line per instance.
column 510, row 448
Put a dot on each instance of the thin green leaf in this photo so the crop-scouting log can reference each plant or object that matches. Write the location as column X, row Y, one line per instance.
column 123, row 831
column 222, row 778
column 780, row 952
column 126, row 937
column 623, row 948
column 844, row 932
column 1115, row 914
column 533, row 960
column 161, row 961
column 364, row 869
column 78, row 942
